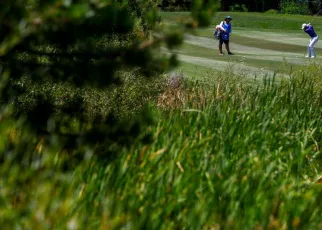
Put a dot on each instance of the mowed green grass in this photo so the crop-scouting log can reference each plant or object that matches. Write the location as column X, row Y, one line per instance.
column 269, row 43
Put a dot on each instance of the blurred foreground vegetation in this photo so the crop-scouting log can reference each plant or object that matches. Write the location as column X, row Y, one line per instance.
column 95, row 135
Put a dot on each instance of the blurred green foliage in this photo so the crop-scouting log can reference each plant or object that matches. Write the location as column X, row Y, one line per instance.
column 49, row 43
column 77, row 78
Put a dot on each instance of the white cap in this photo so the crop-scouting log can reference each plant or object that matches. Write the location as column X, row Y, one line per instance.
column 303, row 26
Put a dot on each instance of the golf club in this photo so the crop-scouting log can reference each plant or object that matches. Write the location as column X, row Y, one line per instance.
column 315, row 16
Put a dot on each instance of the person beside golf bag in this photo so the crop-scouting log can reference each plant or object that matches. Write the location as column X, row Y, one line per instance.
column 308, row 28
column 224, row 35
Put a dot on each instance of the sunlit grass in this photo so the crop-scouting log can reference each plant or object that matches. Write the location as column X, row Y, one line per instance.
column 229, row 154
column 249, row 159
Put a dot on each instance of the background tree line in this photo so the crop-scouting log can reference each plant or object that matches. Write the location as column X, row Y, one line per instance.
column 292, row 6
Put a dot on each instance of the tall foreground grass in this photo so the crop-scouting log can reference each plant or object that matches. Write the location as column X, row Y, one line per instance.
column 234, row 155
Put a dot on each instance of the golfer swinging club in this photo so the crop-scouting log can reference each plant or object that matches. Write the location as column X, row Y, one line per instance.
column 308, row 28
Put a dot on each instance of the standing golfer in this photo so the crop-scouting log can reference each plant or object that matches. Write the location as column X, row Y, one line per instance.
column 224, row 38
column 314, row 38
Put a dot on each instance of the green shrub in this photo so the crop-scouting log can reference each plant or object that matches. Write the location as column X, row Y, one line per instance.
column 177, row 5
column 271, row 11
column 127, row 99
column 292, row 7
column 238, row 8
